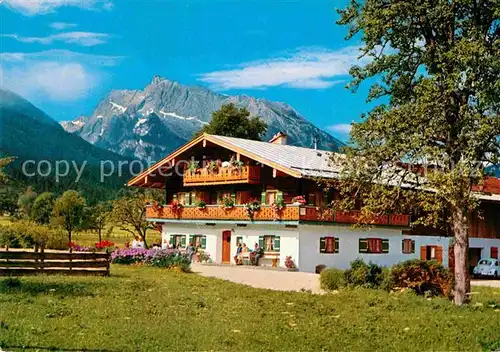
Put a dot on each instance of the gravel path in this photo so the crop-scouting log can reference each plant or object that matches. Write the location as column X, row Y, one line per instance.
column 280, row 280
column 490, row 283
column 262, row 278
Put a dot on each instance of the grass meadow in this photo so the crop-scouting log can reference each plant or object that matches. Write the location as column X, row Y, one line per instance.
column 150, row 309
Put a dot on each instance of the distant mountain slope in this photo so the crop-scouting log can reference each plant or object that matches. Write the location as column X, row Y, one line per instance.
column 152, row 122
column 27, row 133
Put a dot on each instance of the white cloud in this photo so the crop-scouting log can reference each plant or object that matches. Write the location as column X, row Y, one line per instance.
column 59, row 26
column 78, row 38
column 56, row 75
column 341, row 128
column 311, row 68
column 40, row 7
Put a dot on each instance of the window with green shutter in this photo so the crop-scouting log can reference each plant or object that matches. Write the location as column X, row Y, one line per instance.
column 276, row 243
column 261, row 242
column 263, row 198
column 373, row 245
column 363, row 245
column 329, row 245
column 183, row 240
column 385, row 246
column 199, row 241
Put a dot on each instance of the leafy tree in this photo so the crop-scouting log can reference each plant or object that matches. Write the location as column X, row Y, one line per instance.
column 98, row 218
column 8, row 199
column 437, row 63
column 26, row 200
column 129, row 214
column 42, row 208
column 69, row 211
column 3, row 163
column 231, row 121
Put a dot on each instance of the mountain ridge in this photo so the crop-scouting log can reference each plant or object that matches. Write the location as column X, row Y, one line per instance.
column 166, row 114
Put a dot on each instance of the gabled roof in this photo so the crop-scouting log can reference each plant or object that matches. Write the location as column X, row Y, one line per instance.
column 294, row 161
column 305, row 161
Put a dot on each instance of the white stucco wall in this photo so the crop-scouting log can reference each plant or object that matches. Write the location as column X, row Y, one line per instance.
column 302, row 243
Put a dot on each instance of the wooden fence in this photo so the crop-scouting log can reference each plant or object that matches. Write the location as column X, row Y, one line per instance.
column 22, row 262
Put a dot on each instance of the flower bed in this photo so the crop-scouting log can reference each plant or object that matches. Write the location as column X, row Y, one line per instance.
column 160, row 258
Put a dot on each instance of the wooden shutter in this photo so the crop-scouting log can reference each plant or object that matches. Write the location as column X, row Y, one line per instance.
column 423, row 252
column 439, row 254
column 204, row 242
column 193, row 198
column 183, row 240
column 276, row 244
column 494, row 252
column 336, row 244
column 363, row 245
column 187, row 198
column 322, row 245
column 413, row 246
column 261, row 242
column 385, row 246
column 172, row 240
column 263, row 198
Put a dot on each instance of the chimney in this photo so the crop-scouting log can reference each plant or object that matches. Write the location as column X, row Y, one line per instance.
column 315, row 142
column 279, row 138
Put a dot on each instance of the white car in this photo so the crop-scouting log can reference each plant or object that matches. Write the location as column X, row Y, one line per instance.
column 487, row 267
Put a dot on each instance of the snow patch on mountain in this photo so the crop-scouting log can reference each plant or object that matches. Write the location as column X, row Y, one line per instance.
column 190, row 118
column 119, row 107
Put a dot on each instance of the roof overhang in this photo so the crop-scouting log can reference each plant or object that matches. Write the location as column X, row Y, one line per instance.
column 169, row 160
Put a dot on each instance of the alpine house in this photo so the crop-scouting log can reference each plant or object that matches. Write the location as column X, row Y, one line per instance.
column 221, row 191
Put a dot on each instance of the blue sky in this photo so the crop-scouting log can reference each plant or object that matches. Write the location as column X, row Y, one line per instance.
column 65, row 55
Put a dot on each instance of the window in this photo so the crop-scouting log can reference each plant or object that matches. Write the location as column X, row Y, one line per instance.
column 328, row 245
column 431, row 253
column 408, row 246
column 199, row 241
column 178, row 240
column 269, row 243
column 373, row 245
column 186, row 198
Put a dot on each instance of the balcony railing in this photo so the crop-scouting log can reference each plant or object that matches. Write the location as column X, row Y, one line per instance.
column 291, row 212
column 311, row 213
column 245, row 174
column 215, row 212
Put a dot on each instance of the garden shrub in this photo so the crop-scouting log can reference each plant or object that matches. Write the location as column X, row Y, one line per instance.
column 365, row 275
column 26, row 234
column 423, row 277
column 331, row 279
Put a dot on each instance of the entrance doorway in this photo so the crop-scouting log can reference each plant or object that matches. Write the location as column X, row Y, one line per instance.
column 226, row 247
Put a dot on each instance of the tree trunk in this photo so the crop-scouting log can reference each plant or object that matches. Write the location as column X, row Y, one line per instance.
column 69, row 236
column 144, row 239
column 99, row 233
column 461, row 249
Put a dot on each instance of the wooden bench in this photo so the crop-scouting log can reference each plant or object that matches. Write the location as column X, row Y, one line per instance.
column 274, row 257
column 22, row 262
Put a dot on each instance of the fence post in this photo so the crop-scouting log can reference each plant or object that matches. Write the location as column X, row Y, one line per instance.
column 42, row 257
column 70, row 259
column 108, row 260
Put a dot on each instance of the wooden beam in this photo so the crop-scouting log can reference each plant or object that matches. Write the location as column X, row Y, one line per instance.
column 238, row 155
column 274, row 173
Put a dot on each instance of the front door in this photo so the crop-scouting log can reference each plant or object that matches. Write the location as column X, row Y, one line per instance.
column 226, row 247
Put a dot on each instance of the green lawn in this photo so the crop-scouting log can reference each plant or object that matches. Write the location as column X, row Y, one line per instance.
column 148, row 309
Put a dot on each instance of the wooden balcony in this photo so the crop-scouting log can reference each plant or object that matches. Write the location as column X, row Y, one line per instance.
column 291, row 212
column 311, row 213
column 246, row 174
column 215, row 212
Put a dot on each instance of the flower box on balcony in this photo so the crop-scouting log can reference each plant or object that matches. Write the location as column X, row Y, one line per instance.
column 245, row 174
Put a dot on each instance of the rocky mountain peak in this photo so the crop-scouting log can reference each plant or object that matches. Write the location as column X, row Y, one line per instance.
column 151, row 122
